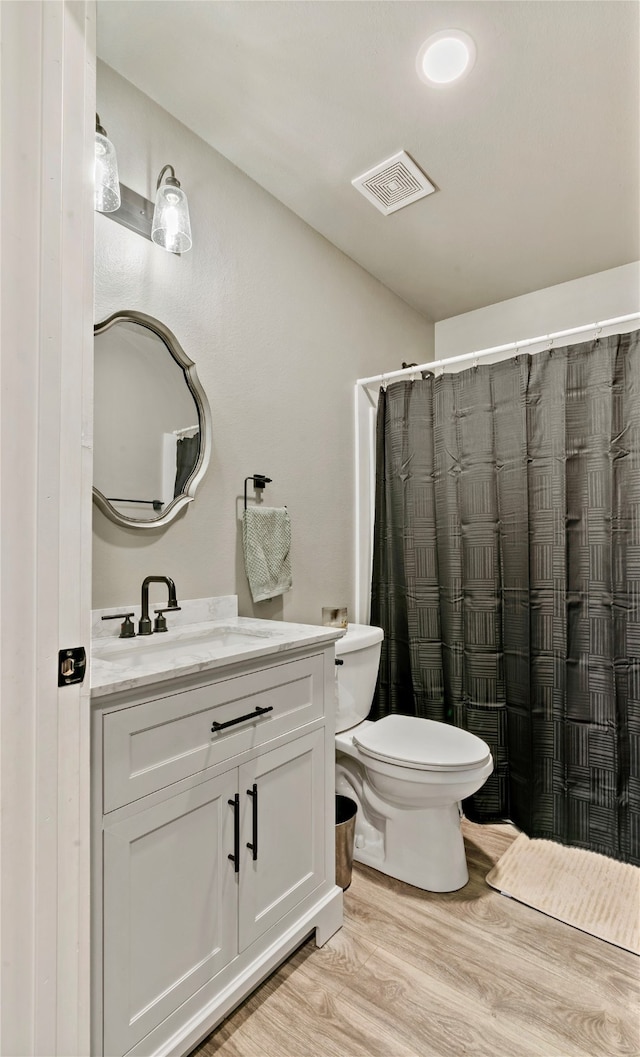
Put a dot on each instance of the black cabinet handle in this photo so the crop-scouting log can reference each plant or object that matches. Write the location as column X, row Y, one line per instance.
column 235, row 858
column 241, row 719
column 253, row 793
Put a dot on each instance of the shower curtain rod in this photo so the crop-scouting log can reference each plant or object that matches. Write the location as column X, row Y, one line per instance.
column 407, row 372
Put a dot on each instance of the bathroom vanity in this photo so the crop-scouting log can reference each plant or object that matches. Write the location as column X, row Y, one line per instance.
column 213, row 819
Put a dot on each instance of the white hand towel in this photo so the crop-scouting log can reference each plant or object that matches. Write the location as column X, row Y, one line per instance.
column 266, row 539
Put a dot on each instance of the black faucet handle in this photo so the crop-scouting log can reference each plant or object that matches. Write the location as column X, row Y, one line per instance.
column 127, row 630
column 160, row 623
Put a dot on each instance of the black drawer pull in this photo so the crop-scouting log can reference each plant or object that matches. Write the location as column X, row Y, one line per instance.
column 241, row 719
column 253, row 793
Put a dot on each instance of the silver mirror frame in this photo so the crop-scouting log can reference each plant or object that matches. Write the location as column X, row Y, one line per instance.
column 204, row 420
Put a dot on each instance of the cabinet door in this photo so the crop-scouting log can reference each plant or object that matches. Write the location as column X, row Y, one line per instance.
column 282, row 797
column 170, row 907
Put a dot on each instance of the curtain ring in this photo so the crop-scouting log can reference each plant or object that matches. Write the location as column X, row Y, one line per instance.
column 597, row 333
column 550, row 345
column 384, row 382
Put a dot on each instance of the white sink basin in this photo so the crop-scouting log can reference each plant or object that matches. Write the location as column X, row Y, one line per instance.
column 172, row 646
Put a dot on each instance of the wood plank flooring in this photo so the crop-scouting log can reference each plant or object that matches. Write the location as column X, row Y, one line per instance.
column 414, row 974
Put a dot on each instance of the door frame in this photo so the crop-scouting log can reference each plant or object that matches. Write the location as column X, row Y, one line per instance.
column 47, row 95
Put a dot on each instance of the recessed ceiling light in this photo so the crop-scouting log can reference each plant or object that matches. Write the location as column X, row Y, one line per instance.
column 445, row 57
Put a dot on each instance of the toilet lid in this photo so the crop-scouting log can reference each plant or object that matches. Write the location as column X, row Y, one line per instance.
column 422, row 743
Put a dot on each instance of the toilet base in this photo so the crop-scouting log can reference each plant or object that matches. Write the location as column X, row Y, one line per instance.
column 425, row 851
column 421, row 846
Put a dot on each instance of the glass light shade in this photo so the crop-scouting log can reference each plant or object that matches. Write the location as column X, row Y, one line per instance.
column 445, row 57
column 171, row 226
column 107, row 186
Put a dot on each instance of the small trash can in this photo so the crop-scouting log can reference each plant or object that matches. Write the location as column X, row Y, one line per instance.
column 346, row 810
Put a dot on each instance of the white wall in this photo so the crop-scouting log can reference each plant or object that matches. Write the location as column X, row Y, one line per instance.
column 280, row 324
column 604, row 295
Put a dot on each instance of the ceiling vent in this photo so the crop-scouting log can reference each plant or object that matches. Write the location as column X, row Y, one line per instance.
column 394, row 183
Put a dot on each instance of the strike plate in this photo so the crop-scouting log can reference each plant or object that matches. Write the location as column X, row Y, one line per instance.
column 72, row 665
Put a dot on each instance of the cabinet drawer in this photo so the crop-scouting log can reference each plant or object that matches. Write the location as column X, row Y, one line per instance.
column 149, row 746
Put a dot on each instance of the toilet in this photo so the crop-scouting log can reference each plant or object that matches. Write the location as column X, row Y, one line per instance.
column 407, row 776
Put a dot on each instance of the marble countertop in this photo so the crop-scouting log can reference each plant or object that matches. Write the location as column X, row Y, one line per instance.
column 191, row 648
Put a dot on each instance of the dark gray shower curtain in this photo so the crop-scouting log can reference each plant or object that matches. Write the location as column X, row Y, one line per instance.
column 506, row 576
column 187, row 452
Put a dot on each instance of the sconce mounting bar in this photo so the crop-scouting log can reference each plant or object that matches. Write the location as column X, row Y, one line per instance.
column 135, row 212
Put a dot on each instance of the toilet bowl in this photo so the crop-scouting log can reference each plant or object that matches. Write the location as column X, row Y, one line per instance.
column 406, row 774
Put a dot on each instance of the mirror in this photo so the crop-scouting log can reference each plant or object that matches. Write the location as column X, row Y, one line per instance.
column 152, row 423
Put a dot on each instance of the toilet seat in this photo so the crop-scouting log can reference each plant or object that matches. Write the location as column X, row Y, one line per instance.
column 421, row 744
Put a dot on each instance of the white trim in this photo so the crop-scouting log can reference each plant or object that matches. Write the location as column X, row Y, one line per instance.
column 46, row 285
column 365, row 406
column 512, row 346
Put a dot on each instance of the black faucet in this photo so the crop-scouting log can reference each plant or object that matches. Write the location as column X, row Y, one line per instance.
column 144, row 624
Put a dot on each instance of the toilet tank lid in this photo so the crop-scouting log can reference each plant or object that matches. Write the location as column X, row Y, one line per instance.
column 357, row 637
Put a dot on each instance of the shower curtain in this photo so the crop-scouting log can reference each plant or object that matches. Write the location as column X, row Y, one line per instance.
column 506, row 575
column 187, row 450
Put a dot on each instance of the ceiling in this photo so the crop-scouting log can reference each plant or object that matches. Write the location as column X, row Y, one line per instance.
column 535, row 154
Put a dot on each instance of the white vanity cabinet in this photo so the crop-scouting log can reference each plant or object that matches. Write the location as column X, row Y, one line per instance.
column 170, row 908
column 281, row 793
column 213, row 854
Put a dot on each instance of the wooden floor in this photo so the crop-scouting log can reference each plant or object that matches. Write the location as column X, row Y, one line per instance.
column 413, row 974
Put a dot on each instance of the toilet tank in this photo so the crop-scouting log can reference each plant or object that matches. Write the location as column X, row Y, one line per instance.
column 359, row 650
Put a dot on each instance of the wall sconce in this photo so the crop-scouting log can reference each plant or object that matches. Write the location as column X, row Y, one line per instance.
column 166, row 223
column 171, row 226
column 107, row 187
